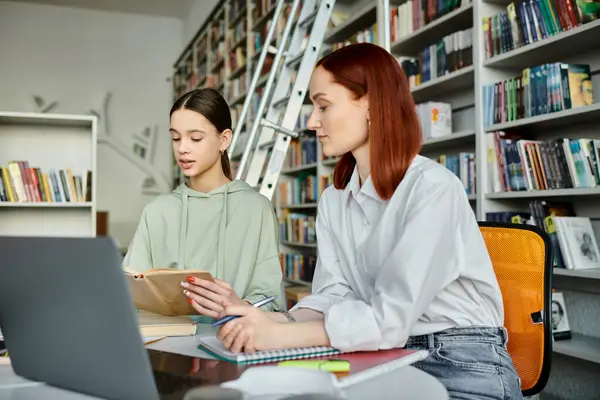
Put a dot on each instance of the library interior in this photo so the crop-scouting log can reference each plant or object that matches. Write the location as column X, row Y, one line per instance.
column 92, row 84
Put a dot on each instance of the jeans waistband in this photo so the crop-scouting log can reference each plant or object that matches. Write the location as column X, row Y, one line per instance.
column 492, row 335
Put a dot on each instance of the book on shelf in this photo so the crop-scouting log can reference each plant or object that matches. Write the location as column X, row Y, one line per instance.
column 22, row 183
column 538, row 90
column 301, row 151
column 463, row 166
column 526, row 22
column 300, row 190
column 159, row 291
column 573, row 239
column 367, row 35
column 450, row 54
column 413, row 15
column 518, row 164
column 298, row 266
column 297, row 228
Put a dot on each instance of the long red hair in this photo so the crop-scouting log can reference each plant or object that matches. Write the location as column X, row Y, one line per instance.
column 395, row 130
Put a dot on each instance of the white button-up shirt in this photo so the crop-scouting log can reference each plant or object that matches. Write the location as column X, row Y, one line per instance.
column 412, row 265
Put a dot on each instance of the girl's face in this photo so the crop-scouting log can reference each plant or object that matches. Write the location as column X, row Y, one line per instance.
column 340, row 120
column 197, row 145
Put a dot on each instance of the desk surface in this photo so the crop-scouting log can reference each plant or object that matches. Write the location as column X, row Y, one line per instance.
column 179, row 357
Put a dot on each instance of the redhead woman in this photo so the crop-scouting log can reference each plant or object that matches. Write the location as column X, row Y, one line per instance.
column 401, row 260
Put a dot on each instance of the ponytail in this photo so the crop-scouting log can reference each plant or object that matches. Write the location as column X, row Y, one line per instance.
column 226, row 165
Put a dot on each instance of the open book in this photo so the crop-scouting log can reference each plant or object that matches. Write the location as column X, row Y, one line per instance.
column 159, row 291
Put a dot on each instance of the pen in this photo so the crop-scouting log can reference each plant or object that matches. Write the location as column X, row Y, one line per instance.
column 231, row 317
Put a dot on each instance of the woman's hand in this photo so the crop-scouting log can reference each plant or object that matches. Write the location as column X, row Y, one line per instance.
column 210, row 298
column 252, row 331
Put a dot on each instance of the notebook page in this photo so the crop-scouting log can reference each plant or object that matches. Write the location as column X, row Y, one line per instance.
column 213, row 344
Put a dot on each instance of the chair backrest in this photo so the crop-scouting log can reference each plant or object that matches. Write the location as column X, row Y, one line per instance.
column 521, row 256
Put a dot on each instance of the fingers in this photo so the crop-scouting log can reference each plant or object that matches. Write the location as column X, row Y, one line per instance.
column 249, row 346
column 237, row 338
column 204, row 302
column 207, row 294
column 237, row 346
column 223, row 284
column 203, row 310
column 211, row 286
column 229, row 337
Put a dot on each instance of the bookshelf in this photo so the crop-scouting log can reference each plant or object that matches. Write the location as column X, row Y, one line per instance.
column 53, row 190
column 458, row 37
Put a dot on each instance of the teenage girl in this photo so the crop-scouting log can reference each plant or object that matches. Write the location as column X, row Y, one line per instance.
column 401, row 259
column 212, row 223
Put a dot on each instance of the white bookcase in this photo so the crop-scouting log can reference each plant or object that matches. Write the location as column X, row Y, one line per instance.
column 50, row 142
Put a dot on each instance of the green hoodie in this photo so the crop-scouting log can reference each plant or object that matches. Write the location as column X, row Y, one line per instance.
column 230, row 232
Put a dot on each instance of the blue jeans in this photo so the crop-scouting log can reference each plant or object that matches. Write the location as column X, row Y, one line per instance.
column 472, row 363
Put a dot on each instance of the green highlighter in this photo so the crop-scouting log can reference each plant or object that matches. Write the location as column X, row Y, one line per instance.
column 323, row 365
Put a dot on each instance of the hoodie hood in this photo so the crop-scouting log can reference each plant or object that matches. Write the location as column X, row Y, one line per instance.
column 184, row 192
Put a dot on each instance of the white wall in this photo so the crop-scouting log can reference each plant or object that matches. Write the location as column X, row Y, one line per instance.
column 75, row 56
column 198, row 13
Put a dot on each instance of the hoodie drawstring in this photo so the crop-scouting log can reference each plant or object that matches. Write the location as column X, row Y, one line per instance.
column 221, row 244
column 222, row 231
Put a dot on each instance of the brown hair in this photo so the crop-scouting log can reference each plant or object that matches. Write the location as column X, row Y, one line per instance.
column 395, row 129
column 213, row 107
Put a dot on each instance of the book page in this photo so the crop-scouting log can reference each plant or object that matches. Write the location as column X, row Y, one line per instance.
column 144, row 297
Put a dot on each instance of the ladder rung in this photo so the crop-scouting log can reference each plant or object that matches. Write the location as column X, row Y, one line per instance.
column 309, row 19
column 296, row 59
column 272, row 125
column 267, row 145
column 281, row 102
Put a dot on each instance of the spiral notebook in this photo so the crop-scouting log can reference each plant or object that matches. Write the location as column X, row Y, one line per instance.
column 215, row 348
column 364, row 365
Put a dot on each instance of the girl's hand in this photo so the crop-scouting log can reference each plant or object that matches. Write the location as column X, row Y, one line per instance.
column 210, row 298
column 252, row 331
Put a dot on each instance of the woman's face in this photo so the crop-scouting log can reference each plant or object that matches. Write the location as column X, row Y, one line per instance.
column 341, row 122
column 196, row 143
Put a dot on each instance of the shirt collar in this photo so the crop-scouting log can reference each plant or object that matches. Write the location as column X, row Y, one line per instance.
column 353, row 187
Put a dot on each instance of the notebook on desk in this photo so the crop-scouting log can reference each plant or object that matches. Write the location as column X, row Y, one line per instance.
column 363, row 365
column 215, row 348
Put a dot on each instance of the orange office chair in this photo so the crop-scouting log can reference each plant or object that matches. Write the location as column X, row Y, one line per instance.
column 521, row 256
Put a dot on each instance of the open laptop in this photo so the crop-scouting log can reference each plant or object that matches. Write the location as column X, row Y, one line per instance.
column 68, row 320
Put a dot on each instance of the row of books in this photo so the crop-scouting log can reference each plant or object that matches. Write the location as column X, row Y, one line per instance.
column 528, row 21
column 452, row 53
column 302, row 151
column 518, row 164
column 573, row 239
column 368, row 35
column 413, row 15
column 297, row 266
column 22, row 183
column 258, row 39
column 539, row 90
column 297, row 228
column 301, row 190
column 463, row 166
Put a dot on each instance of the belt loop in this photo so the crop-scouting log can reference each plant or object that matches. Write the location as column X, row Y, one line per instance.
column 430, row 341
column 504, row 336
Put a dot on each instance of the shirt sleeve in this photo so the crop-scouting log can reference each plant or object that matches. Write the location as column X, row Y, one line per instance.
column 266, row 279
column 424, row 257
column 139, row 256
column 329, row 285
